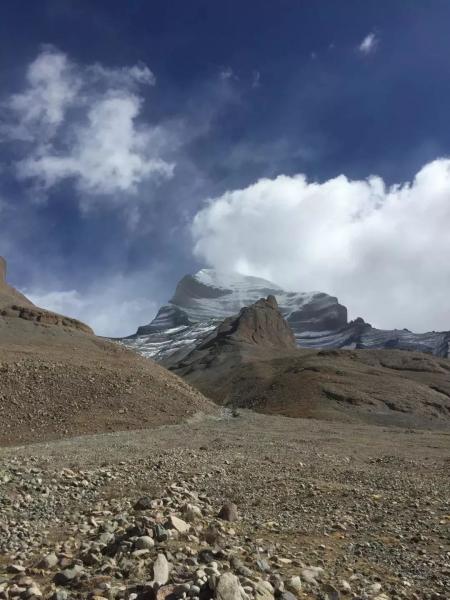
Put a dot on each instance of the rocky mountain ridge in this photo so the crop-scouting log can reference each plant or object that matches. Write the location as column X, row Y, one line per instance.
column 318, row 320
column 13, row 305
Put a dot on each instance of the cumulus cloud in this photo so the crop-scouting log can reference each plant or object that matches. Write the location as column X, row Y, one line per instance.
column 369, row 44
column 114, row 308
column 382, row 250
column 83, row 123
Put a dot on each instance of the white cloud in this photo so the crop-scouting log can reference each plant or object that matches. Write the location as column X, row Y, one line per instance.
column 83, row 124
column 109, row 154
column 382, row 250
column 115, row 308
column 52, row 86
column 368, row 44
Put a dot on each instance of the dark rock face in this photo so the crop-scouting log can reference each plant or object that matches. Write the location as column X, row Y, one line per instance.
column 260, row 324
column 259, row 328
column 168, row 317
column 318, row 315
column 202, row 301
column 189, row 288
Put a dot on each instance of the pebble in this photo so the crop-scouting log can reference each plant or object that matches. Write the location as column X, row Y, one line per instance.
column 48, row 562
column 144, row 542
column 228, row 512
column 161, row 570
column 178, row 524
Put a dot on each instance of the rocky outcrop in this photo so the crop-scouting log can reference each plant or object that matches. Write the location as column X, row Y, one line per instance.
column 14, row 305
column 260, row 325
column 8, row 295
column 258, row 330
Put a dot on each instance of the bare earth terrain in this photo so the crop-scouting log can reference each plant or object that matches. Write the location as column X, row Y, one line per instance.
column 355, row 511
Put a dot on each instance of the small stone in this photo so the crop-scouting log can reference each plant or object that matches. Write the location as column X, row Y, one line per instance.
column 48, row 562
column 211, row 535
column 166, row 591
column 206, row 556
column 228, row 587
column 374, row 589
column 144, row 503
column 331, row 593
column 160, row 533
column 60, row 595
column 191, row 512
column 178, row 524
column 263, row 591
column 294, row 585
column 161, row 570
column 66, row 576
column 311, row 574
column 15, row 569
column 263, row 565
column 145, row 542
column 228, row 512
column 287, row 596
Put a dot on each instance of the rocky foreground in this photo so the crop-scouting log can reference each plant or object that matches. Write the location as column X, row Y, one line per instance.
column 250, row 507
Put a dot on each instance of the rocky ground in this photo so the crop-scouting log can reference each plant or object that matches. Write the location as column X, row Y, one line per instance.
column 319, row 510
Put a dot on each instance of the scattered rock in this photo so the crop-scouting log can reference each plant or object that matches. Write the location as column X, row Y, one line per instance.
column 228, row 587
column 330, row 592
column 178, row 524
column 145, row 542
column 191, row 512
column 263, row 590
column 144, row 503
column 228, row 512
column 294, row 585
column 67, row 576
column 48, row 562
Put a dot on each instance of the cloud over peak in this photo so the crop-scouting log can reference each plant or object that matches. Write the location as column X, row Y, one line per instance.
column 382, row 250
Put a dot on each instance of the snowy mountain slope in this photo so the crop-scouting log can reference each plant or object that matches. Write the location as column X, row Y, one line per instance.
column 203, row 300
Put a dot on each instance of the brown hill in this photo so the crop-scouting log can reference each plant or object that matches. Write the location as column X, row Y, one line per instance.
column 249, row 361
column 58, row 379
column 14, row 305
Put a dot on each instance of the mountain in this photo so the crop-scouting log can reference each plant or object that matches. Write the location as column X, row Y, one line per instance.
column 252, row 361
column 318, row 320
column 58, row 379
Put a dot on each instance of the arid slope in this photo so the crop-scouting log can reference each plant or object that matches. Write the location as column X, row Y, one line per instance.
column 57, row 379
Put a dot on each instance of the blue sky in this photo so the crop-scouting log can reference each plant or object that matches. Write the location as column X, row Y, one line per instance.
column 143, row 140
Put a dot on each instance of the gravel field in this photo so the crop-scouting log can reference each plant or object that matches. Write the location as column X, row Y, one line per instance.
column 325, row 510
